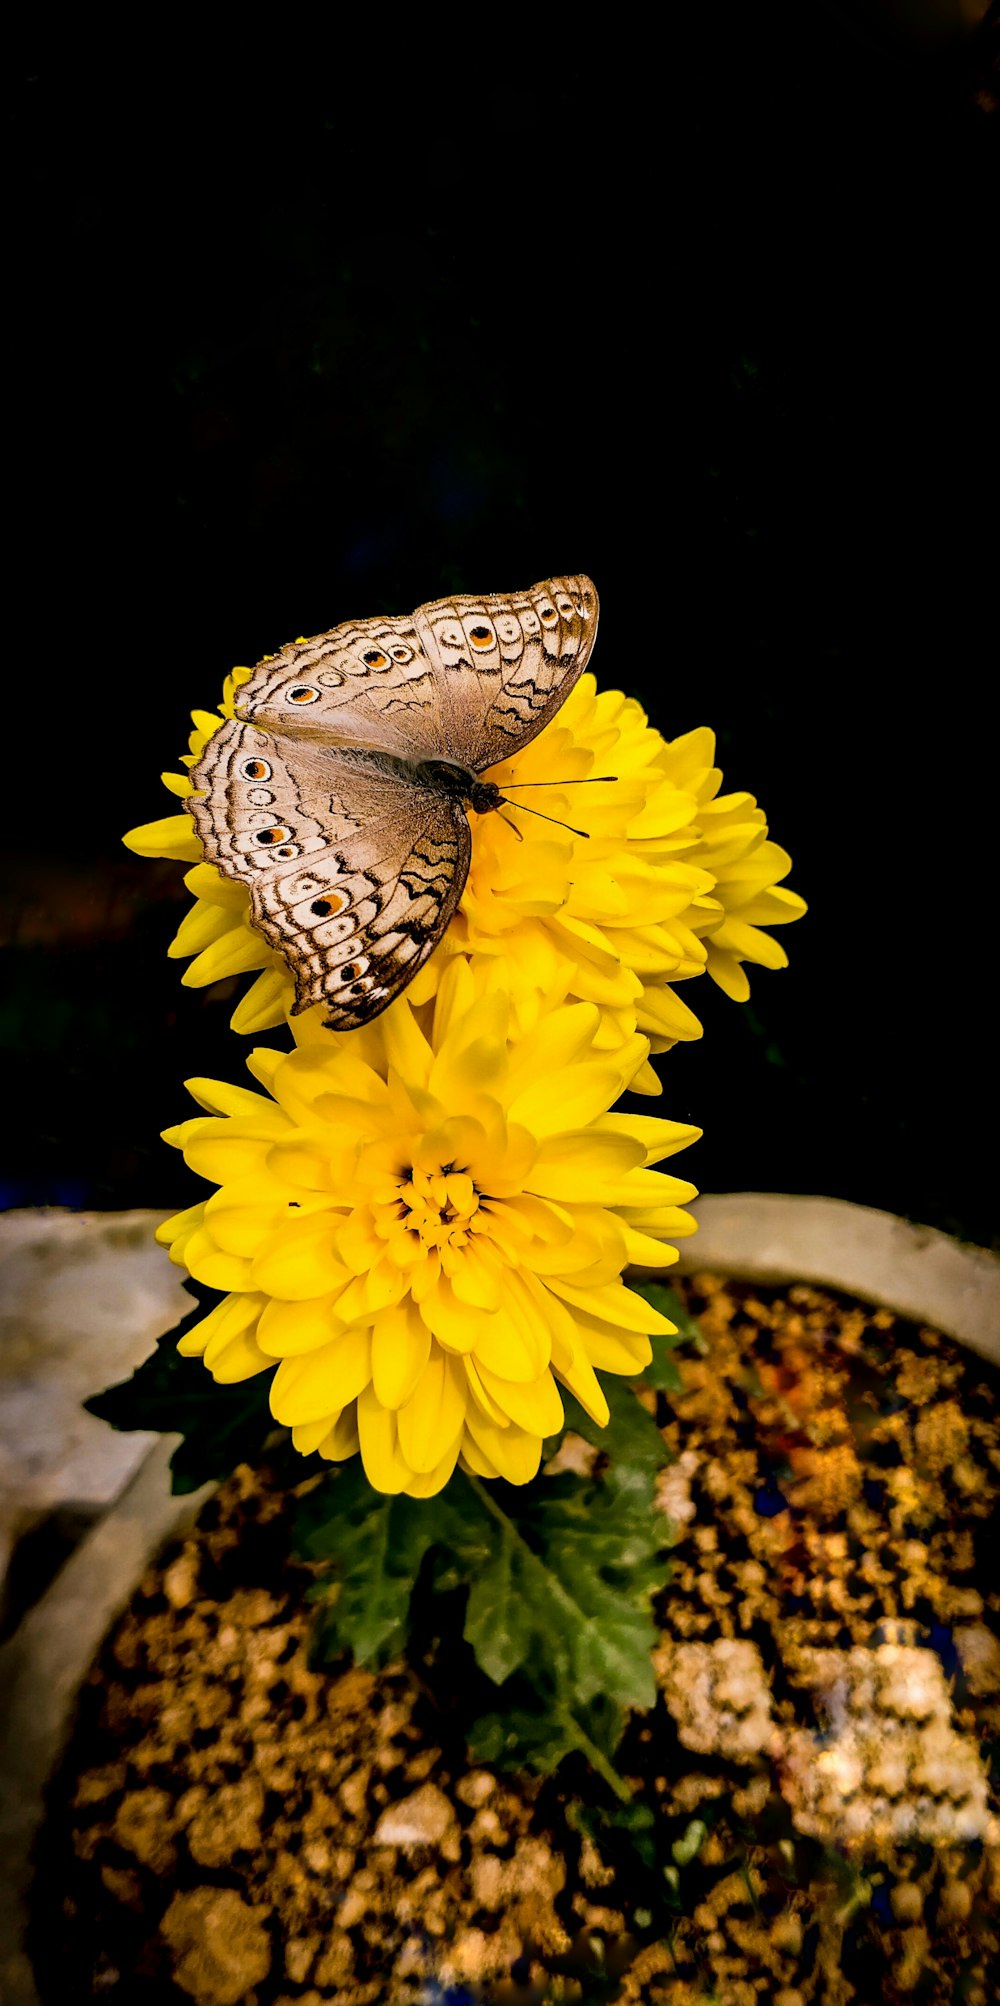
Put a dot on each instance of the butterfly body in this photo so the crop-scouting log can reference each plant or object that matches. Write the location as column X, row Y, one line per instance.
column 457, row 783
column 339, row 792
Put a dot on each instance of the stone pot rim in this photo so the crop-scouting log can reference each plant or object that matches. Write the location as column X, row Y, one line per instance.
column 919, row 1272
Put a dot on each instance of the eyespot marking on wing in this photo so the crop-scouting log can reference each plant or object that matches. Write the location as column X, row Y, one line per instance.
column 481, row 635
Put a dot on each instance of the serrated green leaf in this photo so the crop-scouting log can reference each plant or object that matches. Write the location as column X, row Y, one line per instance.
column 376, row 1546
column 497, row 1618
column 559, row 1576
column 521, row 1739
column 577, row 1598
column 221, row 1425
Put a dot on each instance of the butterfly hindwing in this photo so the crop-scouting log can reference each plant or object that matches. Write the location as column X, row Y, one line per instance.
column 353, row 871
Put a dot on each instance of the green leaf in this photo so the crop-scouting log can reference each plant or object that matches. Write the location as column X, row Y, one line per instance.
column 221, row 1425
column 520, row 1738
column 534, row 1730
column 497, row 1618
column 631, row 1441
column 376, row 1546
column 636, row 1820
column 665, row 1375
column 558, row 1578
column 689, row 1331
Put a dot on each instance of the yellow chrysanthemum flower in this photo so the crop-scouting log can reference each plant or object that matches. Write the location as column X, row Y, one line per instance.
column 746, row 868
column 423, row 1227
column 667, row 882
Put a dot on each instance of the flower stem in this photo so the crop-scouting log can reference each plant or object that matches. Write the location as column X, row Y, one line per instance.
column 581, row 1740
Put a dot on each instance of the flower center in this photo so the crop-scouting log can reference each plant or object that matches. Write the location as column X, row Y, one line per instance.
column 439, row 1207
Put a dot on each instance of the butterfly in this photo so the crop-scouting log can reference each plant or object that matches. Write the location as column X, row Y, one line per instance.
column 339, row 792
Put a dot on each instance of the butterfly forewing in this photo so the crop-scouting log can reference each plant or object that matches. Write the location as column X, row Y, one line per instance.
column 317, row 796
column 507, row 663
column 367, row 683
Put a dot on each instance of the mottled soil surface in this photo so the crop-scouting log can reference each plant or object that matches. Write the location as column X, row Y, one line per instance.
column 232, row 1827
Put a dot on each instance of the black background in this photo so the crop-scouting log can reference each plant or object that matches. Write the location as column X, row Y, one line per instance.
column 705, row 307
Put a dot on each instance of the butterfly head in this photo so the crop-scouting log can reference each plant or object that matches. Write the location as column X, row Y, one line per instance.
column 460, row 784
column 484, row 795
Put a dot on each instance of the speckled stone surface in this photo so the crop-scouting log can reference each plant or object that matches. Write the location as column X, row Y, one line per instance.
column 914, row 1270
column 83, row 1298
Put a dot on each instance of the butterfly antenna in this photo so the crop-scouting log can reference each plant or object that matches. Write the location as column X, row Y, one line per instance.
column 525, row 810
column 589, row 780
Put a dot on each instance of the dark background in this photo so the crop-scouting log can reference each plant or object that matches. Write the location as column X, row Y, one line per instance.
column 706, row 308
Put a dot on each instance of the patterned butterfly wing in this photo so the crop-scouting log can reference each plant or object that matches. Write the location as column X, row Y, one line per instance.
column 314, row 796
column 354, row 867
column 368, row 682
column 505, row 665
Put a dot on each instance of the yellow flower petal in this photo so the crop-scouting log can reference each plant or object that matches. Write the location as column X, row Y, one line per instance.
column 208, row 1264
column 729, row 973
column 658, row 1138
column 401, row 1346
column 516, row 1341
column 307, row 1435
column 472, row 1460
column 172, row 836
column 378, row 1427
column 534, row 1404
column 511, row 1452
column 430, row 1421
column 219, row 1097
column 484, row 1400
column 180, row 1225
column 177, row 783
column 662, row 1013
column 313, row 1384
column 427, row 1483
column 299, row 1260
column 203, row 881
column 199, row 928
column 616, row 1305
column 236, row 1225
column 613, row 1350
column 474, row 1282
column 287, row 1329
column 642, row 1251
column 342, row 1440
column 238, row 1359
column 265, row 1004
column 235, row 1314
column 581, row 1164
column 238, row 950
